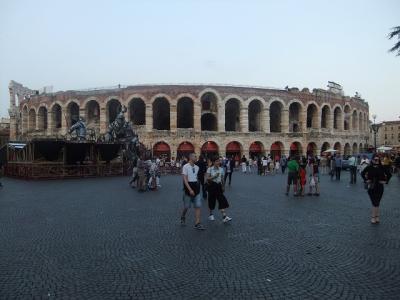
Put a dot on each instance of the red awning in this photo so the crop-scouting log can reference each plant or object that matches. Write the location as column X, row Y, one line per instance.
column 255, row 147
column 293, row 147
column 161, row 147
column 209, row 147
column 275, row 147
column 233, row 147
column 186, row 147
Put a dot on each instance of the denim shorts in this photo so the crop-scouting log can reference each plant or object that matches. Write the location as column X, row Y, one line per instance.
column 189, row 200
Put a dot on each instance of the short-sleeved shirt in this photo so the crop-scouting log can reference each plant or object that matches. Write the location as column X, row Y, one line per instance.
column 191, row 172
column 293, row 166
column 212, row 171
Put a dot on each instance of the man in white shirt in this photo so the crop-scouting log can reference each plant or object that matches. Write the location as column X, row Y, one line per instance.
column 191, row 191
column 353, row 169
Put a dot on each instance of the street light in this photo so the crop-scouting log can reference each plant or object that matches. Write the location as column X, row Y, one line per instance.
column 375, row 129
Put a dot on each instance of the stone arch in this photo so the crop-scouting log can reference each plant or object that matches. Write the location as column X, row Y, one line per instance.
column 72, row 112
column 325, row 116
column 210, row 148
column 56, row 115
column 312, row 115
column 42, row 118
column 361, row 148
column 347, row 117
column 32, row 119
column 185, row 113
column 325, row 146
column 312, row 149
column 233, row 148
column 137, row 111
column 184, row 149
column 295, row 149
column 209, row 101
column 275, row 116
column 161, row 114
column 92, row 113
column 113, row 108
column 209, row 122
column 360, row 122
column 347, row 149
column 338, row 147
column 256, row 149
column 232, row 115
column 295, row 109
column 277, row 149
column 162, row 150
column 355, row 148
column 337, row 117
column 255, row 113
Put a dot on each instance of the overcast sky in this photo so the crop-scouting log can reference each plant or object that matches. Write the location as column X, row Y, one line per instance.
column 83, row 44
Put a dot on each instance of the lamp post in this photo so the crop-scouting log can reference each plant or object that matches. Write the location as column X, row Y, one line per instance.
column 375, row 129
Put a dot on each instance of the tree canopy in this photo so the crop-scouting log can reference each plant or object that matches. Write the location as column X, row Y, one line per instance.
column 395, row 33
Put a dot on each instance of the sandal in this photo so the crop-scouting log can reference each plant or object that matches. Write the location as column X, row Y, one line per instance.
column 373, row 220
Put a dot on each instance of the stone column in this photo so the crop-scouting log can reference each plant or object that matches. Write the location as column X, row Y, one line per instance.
column 303, row 120
column 318, row 121
column 221, row 117
column 103, row 119
column 266, row 121
column 197, row 117
column 38, row 119
column 330, row 121
column 64, row 116
column 173, row 118
column 50, row 124
column 285, row 120
column 244, row 120
column 149, row 117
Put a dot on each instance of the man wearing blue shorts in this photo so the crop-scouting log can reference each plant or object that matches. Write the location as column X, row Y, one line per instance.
column 191, row 191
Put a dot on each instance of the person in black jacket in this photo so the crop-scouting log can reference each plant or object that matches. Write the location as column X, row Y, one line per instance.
column 202, row 164
column 228, row 168
column 374, row 176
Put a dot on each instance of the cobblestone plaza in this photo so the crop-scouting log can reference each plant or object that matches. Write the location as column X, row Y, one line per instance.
column 100, row 239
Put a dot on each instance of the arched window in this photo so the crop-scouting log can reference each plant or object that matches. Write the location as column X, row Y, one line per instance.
column 275, row 115
column 137, row 111
column 325, row 116
column 42, row 118
column 185, row 113
column 209, row 122
column 161, row 114
column 113, row 109
column 255, row 115
column 294, row 117
column 232, row 115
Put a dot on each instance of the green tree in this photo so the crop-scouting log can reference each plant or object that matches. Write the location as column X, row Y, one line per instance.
column 395, row 33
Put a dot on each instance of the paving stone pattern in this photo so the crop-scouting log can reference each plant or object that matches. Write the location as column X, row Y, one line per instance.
column 100, row 239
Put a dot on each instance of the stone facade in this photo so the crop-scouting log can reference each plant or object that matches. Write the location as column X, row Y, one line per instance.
column 196, row 115
column 389, row 134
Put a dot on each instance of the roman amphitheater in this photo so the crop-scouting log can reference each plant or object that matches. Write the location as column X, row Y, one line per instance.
column 173, row 120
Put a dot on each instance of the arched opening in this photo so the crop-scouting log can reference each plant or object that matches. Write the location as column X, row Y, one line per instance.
column 360, row 122
column 295, row 149
column 276, row 150
column 209, row 103
column 337, row 147
column 32, row 120
column 275, row 115
column 311, row 149
column 185, row 113
column 325, row 146
column 337, row 116
column 25, row 118
column 361, row 148
column 92, row 113
column 346, row 119
column 42, row 118
column 233, row 149
column 255, row 115
column 325, row 116
column 312, row 116
column 354, row 122
column 72, row 113
column 184, row 149
column 162, row 150
column 294, row 117
column 113, row 109
column 355, row 149
column 256, row 149
column 137, row 111
column 209, row 122
column 347, row 149
column 232, row 115
column 161, row 114
column 56, row 116
column 209, row 149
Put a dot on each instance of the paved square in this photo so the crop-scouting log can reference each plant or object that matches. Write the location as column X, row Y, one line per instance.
column 100, row 239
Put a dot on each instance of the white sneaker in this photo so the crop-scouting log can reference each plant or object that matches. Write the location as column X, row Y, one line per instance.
column 226, row 219
column 211, row 218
